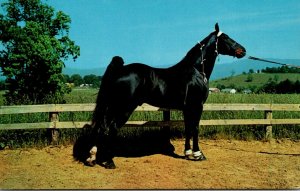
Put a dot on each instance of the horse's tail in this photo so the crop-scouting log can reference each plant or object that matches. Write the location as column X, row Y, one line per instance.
column 111, row 73
column 113, row 68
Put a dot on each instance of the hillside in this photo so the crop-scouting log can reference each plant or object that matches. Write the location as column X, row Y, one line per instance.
column 244, row 65
column 258, row 80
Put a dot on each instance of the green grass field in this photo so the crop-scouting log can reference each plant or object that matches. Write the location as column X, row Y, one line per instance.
column 90, row 95
column 25, row 138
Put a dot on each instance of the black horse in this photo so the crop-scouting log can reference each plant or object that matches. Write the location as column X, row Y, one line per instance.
column 183, row 86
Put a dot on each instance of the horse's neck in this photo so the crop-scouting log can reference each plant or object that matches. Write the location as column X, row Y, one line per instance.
column 195, row 57
column 209, row 63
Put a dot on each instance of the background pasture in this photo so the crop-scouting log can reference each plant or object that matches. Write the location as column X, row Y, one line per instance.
column 38, row 137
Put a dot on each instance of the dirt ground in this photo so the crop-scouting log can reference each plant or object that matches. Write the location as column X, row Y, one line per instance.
column 229, row 165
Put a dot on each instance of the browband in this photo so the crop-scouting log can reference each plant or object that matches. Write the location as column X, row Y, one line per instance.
column 219, row 33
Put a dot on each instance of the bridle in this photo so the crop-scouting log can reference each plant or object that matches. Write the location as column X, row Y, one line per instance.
column 218, row 35
column 202, row 59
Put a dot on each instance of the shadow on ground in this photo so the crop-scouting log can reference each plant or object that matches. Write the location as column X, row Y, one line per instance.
column 144, row 143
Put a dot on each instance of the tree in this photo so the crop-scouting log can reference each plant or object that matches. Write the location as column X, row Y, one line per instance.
column 66, row 78
column 285, row 87
column 297, row 86
column 76, row 79
column 251, row 71
column 35, row 43
column 249, row 78
column 92, row 79
column 2, row 85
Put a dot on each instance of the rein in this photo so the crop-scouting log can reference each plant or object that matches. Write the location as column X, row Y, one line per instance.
column 273, row 62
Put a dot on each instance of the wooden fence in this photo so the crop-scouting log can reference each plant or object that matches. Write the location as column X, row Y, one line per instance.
column 55, row 109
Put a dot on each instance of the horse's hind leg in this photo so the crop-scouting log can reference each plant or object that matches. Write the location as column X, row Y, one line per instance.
column 102, row 136
column 91, row 161
column 109, row 138
column 107, row 153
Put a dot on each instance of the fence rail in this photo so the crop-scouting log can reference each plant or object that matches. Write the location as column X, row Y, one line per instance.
column 55, row 109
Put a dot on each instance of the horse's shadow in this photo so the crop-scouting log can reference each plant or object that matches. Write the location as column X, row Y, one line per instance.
column 146, row 143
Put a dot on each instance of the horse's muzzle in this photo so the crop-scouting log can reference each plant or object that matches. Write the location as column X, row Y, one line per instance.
column 240, row 52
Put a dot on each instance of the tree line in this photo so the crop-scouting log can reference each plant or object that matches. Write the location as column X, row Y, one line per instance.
column 76, row 79
column 282, row 69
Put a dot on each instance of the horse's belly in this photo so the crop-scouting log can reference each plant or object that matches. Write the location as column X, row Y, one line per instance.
column 166, row 99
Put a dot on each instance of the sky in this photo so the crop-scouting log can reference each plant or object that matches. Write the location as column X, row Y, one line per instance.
column 160, row 32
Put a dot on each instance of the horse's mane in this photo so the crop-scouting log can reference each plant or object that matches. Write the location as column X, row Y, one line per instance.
column 192, row 56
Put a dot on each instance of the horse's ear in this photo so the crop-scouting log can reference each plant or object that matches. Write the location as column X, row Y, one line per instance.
column 217, row 27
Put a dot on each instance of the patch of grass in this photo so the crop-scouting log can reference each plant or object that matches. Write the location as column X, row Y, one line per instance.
column 82, row 96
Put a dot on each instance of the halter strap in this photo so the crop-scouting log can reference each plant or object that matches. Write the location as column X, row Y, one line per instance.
column 202, row 63
column 218, row 35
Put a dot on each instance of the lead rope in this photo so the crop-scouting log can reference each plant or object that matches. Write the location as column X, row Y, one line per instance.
column 273, row 62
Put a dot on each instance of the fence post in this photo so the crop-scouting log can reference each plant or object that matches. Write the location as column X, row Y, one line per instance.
column 166, row 118
column 166, row 115
column 269, row 116
column 54, row 133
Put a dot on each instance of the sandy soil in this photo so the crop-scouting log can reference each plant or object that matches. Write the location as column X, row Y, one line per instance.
column 230, row 165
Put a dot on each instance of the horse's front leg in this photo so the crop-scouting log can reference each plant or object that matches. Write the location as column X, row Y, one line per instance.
column 197, row 153
column 110, row 136
column 191, row 120
column 187, row 146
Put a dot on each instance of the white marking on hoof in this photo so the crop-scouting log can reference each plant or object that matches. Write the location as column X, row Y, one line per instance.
column 188, row 152
column 93, row 153
column 93, row 150
column 197, row 154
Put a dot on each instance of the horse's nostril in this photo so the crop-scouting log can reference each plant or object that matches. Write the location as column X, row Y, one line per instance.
column 240, row 53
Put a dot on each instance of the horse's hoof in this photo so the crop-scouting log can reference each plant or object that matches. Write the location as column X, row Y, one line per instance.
column 199, row 156
column 188, row 154
column 90, row 163
column 109, row 165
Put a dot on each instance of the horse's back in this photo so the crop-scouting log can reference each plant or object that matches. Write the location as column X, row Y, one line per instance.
column 139, row 83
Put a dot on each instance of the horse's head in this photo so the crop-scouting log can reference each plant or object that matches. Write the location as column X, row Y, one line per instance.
column 227, row 46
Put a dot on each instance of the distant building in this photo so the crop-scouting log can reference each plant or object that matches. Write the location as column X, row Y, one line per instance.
column 247, row 91
column 70, row 85
column 228, row 90
column 214, row 90
column 86, row 85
